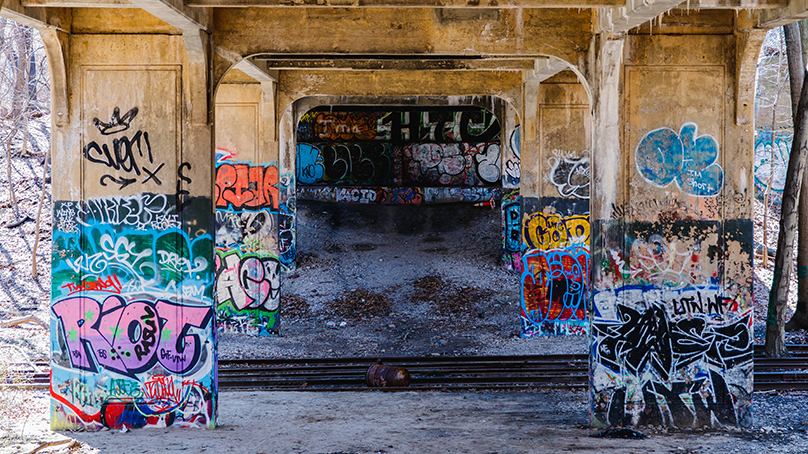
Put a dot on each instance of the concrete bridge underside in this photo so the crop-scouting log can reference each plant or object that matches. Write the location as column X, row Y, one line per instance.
column 621, row 148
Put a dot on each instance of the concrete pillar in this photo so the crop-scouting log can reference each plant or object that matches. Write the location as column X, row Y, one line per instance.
column 555, row 226
column 246, row 199
column 132, row 327
column 672, row 236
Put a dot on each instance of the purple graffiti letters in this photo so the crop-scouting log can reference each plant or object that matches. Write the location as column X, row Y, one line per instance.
column 131, row 338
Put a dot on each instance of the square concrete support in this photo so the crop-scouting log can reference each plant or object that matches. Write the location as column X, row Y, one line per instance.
column 672, row 237
column 132, row 320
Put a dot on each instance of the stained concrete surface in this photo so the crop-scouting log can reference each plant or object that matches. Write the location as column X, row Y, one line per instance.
column 435, row 422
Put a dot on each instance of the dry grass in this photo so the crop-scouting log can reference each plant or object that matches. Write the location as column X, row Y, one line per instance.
column 293, row 306
column 16, row 402
column 361, row 303
column 448, row 298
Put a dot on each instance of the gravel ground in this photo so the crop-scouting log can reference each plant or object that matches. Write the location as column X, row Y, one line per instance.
column 398, row 280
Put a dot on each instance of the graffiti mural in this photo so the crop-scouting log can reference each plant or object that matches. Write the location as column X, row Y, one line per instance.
column 511, row 231
column 771, row 163
column 247, row 284
column 248, row 220
column 133, row 340
column 555, row 266
column 671, row 357
column 406, row 155
column 551, row 231
column 397, row 147
column 245, row 186
column 672, row 324
column 555, row 288
column 664, row 156
column 570, row 175
column 513, row 165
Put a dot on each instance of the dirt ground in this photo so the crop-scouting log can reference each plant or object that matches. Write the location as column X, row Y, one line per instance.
column 396, row 281
column 418, row 422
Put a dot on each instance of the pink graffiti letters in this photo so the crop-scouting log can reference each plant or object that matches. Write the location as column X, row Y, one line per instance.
column 131, row 338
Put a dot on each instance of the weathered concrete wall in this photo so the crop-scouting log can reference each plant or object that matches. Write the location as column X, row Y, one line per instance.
column 247, row 290
column 672, row 278
column 555, row 225
column 132, row 310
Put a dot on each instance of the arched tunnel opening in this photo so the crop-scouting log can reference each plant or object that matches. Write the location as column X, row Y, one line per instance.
column 405, row 232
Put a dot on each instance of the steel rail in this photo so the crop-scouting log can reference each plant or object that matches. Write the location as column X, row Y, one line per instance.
column 443, row 372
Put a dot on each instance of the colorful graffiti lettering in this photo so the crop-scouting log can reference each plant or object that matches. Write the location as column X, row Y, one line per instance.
column 551, row 231
column 245, row 186
column 247, row 281
column 687, row 368
column 130, row 338
column 555, row 287
column 663, row 156
column 513, row 165
column 248, row 293
column 399, row 125
column 286, row 235
column 247, row 231
column 511, row 231
column 91, row 283
column 247, row 222
column 143, row 211
column 338, row 126
column 772, row 163
column 452, row 164
column 356, row 195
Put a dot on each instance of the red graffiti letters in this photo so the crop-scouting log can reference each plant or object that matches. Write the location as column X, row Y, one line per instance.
column 111, row 284
column 245, row 186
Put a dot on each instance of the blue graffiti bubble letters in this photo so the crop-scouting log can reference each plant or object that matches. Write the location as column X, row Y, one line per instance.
column 664, row 156
column 310, row 167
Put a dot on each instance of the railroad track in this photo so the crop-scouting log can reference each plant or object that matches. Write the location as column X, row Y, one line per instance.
column 446, row 373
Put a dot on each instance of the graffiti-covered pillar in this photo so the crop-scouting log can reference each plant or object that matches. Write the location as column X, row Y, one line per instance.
column 672, row 235
column 132, row 320
column 246, row 198
column 555, row 221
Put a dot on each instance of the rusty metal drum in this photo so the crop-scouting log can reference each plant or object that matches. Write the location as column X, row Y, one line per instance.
column 381, row 376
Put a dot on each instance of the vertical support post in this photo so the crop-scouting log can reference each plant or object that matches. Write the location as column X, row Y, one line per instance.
column 672, row 234
column 132, row 322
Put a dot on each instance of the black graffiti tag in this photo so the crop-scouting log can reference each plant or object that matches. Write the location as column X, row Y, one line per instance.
column 125, row 151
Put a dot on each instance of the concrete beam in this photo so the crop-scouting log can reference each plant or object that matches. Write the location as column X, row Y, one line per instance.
column 737, row 4
column 38, row 18
column 564, row 33
column 175, row 13
column 635, row 13
column 77, row 4
column 546, row 68
column 365, row 63
column 257, row 70
column 796, row 10
column 463, row 4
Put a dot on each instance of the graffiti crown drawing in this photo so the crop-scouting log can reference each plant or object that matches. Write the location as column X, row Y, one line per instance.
column 117, row 123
